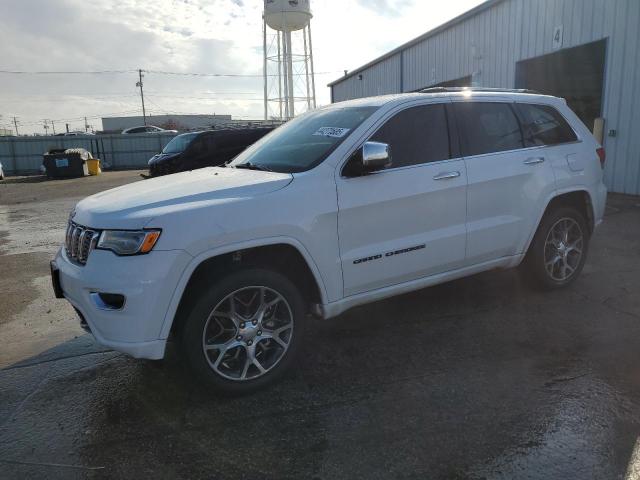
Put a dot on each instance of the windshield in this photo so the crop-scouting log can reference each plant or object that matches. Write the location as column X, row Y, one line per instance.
column 304, row 142
column 180, row 143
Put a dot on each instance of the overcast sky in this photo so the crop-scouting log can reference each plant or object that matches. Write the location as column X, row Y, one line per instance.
column 208, row 36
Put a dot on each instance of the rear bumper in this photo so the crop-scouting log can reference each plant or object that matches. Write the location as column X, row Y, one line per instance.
column 148, row 283
column 600, row 195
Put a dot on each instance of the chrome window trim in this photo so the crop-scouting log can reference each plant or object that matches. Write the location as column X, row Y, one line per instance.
column 524, row 149
column 381, row 122
column 406, row 167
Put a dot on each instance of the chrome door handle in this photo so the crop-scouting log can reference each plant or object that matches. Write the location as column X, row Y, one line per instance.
column 533, row 160
column 446, row 175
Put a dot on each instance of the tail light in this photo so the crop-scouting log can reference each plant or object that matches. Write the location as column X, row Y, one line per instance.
column 601, row 155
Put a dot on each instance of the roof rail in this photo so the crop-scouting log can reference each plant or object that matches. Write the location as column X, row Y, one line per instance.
column 246, row 125
column 477, row 89
column 237, row 125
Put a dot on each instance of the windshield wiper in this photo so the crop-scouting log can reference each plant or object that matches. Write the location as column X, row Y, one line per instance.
column 251, row 166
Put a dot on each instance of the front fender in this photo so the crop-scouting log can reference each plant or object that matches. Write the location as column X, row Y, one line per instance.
column 224, row 249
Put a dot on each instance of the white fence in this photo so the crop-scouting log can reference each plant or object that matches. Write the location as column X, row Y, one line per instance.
column 23, row 155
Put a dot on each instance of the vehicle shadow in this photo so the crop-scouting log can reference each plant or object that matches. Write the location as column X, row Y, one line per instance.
column 440, row 382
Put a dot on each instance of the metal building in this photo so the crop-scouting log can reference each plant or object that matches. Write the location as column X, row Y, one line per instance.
column 587, row 51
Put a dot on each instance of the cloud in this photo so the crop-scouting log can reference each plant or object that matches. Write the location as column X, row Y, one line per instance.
column 72, row 35
column 393, row 8
column 218, row 36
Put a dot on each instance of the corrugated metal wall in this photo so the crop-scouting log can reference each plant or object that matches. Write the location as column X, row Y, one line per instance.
column 380, row 79
column 489, row 43
column 23, row 155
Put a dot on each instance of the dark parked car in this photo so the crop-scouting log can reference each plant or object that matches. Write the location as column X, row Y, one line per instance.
column 210, row 148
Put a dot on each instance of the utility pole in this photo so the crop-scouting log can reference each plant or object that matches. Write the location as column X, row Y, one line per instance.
column 86, row 125
column 67, row 125
column 46, row 127
column 15, row 123
column 53, row 125
column 139, row 84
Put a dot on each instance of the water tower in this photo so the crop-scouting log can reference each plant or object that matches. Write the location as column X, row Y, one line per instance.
column 289, row 85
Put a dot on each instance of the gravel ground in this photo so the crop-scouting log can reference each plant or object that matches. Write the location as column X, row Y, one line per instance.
column 478, row 378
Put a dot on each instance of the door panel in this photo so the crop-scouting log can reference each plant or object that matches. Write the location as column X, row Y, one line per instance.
column 506, row 182
column 401, row 225
column 503, row 201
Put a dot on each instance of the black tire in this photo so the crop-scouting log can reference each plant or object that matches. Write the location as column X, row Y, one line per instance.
column 534, row 269
column 191, row 340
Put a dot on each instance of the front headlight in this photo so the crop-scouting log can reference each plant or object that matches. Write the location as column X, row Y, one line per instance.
column 128, row 242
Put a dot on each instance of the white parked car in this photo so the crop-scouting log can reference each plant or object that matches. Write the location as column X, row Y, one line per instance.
column 344, row 205
column 146, row 129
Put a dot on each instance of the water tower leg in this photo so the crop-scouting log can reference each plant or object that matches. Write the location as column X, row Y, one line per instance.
column 285, row 75
column 313, row 76
column 279, row 75
column 264, row 69
column 306, row 67
column 290, row 73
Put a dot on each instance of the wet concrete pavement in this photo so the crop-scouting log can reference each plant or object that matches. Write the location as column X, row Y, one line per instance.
column 478, row 378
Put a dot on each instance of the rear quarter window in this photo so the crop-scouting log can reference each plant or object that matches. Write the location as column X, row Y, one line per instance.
column 543, row 125
column 487, row 127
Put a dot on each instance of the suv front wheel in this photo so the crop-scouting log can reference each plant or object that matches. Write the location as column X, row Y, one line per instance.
column 244, row 330
column 558, row 250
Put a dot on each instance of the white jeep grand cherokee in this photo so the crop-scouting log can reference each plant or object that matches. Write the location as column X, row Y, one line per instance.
column 342, row 206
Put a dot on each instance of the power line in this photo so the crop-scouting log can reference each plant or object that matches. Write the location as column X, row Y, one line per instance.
column 232, row 75
column 213, row 99
column 90, row 117
column 154, row 72
column 62, row 72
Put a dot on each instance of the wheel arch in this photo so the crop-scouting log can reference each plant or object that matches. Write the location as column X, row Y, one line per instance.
column 579, row 198
column 283, row 254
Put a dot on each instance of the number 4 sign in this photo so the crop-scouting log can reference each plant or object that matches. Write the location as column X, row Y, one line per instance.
column 557, row 38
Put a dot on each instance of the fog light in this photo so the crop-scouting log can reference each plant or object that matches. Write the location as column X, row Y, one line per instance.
column 108, row 301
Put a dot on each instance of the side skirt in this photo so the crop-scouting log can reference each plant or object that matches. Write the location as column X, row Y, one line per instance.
column 334, row 309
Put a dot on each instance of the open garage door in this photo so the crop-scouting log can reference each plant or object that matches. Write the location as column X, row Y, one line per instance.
column 576, row 74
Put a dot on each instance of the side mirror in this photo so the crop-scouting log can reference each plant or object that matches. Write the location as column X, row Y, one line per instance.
column 375, row 156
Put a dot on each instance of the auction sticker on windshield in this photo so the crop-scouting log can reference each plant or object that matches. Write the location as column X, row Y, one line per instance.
column 335, row 132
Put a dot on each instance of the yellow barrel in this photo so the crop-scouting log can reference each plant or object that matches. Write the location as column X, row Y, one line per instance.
column 93, row 166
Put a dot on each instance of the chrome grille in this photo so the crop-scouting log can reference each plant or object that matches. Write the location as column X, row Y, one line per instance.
column 79, row 242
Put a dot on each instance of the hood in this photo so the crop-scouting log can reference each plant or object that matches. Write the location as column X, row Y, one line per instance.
column 163, row 157
column 133, row 206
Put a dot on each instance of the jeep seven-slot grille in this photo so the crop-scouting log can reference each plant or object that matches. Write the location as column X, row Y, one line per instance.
column 79, row 242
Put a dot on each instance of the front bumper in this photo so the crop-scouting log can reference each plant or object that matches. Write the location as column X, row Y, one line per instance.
column 147, row 281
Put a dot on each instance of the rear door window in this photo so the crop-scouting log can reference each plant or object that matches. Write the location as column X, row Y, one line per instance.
column 416, row 135
column 543, row 125
column 487, row 127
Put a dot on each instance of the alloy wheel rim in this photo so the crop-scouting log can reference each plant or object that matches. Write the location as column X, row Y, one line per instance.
column 563, row 249
column 247, row 333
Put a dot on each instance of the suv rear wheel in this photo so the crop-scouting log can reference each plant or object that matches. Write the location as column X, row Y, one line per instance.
column 558, row 250
column 245, row 330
